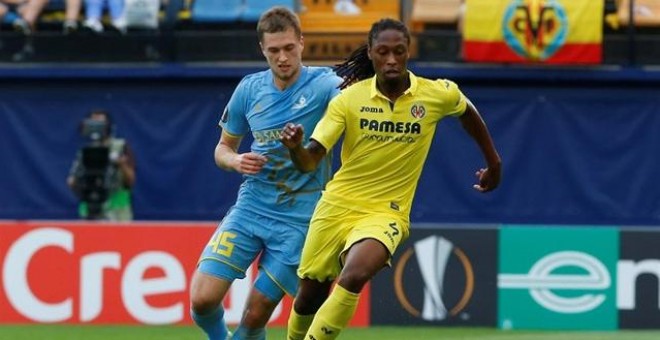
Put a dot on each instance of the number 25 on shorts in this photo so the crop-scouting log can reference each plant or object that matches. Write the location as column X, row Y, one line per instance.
column 222, row 244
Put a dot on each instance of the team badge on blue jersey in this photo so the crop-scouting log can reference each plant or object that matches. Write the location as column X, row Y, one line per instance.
column 301, row 103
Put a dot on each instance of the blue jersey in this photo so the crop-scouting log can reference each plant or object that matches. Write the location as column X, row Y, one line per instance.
column 279, row 190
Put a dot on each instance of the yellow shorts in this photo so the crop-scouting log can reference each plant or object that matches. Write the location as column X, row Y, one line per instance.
column 333, row 230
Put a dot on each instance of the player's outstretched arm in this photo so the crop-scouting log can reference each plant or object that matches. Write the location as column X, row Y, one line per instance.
column 307, row 158
column 227, row 157
column 488, row 178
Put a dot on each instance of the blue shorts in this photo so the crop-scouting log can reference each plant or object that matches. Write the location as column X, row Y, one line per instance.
column 242, row 236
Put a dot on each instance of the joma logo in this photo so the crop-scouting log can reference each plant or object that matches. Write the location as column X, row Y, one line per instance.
column 371, row 109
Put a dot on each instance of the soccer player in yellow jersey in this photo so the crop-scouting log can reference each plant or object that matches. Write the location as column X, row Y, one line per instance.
column 388, row 117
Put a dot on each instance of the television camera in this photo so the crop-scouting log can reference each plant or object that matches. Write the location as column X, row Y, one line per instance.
column 97, row 167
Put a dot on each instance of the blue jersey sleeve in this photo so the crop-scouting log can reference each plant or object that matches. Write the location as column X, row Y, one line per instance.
column 331, row 82
column 233, row 120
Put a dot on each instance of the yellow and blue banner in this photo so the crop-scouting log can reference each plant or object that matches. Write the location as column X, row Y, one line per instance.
column 533, row 31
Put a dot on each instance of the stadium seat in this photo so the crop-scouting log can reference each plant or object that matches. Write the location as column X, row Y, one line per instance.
column 254, row 8
column 216, row 11
column 8, row 18
column 434, row 12
column 333, row 33
column 647, row 13
column 52, row 14
column 173, row 9
column 320, row 16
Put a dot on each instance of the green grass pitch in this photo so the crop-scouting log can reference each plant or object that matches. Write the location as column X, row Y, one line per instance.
column 88, row 332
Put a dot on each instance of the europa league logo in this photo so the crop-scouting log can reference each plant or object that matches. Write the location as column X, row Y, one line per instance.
column 432, row 255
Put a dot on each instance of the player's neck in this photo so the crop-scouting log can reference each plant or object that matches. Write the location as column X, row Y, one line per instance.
column 283, row 84
column 393, row 89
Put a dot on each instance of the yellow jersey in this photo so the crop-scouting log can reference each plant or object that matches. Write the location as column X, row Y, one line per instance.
column 385, row 144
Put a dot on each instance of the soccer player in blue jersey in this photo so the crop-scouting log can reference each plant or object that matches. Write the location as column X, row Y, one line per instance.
column 275, row 200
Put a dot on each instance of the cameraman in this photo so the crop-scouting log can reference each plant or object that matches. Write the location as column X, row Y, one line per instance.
column 103, row 172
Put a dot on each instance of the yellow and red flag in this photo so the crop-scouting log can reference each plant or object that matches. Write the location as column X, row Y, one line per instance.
column 533, row 31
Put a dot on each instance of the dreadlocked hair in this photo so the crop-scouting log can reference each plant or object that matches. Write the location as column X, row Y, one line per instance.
column 356, row 67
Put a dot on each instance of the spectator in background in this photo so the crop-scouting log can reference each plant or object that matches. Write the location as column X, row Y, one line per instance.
column 364, row 212
column 347, row 7
column 26, row 13
column 103, row 172
column 71, row 16
column 270, row 218
column 94, row 12
column 143, row 14
column 4, row 10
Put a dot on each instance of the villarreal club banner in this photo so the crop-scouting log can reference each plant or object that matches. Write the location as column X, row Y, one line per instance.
column 533, row 31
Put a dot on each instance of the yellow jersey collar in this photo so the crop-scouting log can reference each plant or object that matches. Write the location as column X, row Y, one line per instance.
column 412, row 89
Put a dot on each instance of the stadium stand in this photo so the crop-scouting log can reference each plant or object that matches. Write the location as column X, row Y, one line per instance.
column 646, row 13
column 332, row 34
column 231, row 11
column 53, row 14
column 320, row 15
column 254, row 8
column 142, row 14
column 201, row 30
column 216, row 11
column 434, row 12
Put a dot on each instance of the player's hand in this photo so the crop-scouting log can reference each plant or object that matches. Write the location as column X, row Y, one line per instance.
column 292, row 135
column 488, row 178
column 249, row 163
